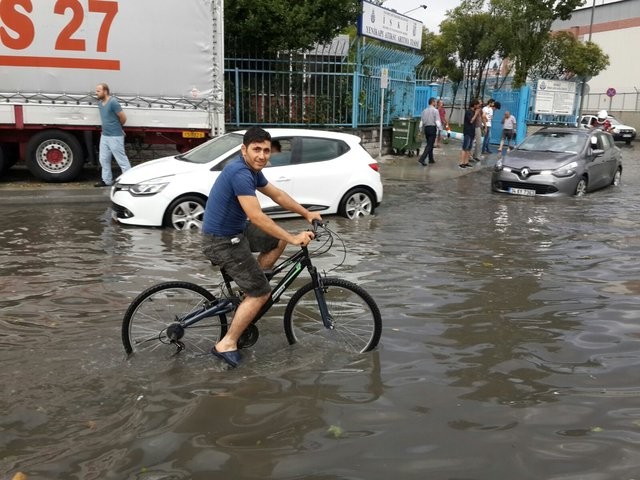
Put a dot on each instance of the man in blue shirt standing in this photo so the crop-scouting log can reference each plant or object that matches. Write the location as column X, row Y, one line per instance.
column 112, row 138
column 228, row 239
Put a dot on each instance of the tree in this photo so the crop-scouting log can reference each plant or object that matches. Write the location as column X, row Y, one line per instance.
column 472, row 34
column 530, row 23
column 564, row 57
column 586, row 60
column 268, row 26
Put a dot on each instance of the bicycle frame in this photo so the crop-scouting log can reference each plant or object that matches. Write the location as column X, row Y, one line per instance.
column 299, row 261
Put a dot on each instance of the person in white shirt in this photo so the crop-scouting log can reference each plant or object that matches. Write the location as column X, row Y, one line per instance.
column 487, row 118
column 508, row 130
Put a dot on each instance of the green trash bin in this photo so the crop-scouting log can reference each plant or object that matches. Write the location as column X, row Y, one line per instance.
column 406, row 137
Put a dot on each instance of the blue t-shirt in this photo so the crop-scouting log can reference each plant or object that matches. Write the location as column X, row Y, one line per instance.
column 111, row 126
column 223, row 215
column 469, row 127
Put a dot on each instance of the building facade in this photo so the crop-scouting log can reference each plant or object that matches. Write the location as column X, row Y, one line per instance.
column 615, row 27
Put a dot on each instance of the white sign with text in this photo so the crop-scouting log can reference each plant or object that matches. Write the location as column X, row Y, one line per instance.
column 389, row 26
column 555, row 97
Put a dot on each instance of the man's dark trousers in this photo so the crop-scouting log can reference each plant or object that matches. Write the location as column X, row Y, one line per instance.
column 430, row 134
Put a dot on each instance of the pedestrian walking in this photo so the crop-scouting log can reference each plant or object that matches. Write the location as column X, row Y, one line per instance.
column 430, row 120
column 112, row 138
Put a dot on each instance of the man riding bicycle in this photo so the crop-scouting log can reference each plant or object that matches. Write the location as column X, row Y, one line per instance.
column 234, row 226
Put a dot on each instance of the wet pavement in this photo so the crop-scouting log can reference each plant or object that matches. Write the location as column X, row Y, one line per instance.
column 510, row 344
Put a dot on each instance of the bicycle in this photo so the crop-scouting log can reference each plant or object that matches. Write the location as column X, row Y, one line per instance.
column 172, row 314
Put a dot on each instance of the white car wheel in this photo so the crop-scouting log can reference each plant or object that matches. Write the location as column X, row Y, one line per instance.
column 356, row 203
column 186, row 213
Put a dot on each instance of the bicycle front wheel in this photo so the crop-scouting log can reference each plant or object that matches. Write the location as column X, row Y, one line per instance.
column 155, row 317
column 356, row 317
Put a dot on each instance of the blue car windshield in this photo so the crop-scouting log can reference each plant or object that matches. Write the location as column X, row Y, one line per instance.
column 554, row 142
column 212, row 149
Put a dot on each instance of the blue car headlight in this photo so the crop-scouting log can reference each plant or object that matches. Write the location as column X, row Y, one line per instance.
column 566, row 170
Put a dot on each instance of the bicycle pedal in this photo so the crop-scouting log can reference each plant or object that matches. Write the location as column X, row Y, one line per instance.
column 249, row 337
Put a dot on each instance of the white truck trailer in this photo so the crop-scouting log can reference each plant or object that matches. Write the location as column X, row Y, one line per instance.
column 163, row 60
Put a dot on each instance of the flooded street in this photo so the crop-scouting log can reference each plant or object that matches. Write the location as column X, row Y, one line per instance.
column 511, row 339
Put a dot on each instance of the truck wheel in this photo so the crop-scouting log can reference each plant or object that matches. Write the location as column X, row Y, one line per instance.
column 54, row 156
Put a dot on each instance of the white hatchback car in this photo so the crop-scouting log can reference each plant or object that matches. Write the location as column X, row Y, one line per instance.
column 324, row 171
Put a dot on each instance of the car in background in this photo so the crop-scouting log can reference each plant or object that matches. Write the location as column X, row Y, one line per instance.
column 558, row 161
column 620, row 132
column 327, row 172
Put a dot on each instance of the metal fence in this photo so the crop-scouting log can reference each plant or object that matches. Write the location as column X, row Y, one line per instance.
column 339, row 86
column 510, row 99
column 628, row 101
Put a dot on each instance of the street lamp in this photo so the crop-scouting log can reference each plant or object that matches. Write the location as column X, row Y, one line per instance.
column 414, row 9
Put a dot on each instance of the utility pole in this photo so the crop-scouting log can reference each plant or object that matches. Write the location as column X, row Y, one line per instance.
column 593, row 10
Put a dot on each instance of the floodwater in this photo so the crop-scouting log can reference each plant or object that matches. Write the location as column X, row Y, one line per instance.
column 510, row 349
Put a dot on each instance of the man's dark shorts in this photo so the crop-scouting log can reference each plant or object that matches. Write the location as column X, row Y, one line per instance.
column 508, row 133
column 236, row 258
column 467, row 142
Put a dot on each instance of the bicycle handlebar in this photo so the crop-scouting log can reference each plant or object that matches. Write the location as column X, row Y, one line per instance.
column 315, row 225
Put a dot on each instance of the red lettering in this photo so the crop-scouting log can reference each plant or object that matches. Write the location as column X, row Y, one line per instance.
column 17, row 22
column 110, row 9
column 64, row 41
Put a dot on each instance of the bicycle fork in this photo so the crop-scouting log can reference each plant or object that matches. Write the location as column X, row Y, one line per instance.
column 318, row 289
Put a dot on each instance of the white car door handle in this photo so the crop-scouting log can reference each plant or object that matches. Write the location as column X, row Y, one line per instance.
column 283, row 179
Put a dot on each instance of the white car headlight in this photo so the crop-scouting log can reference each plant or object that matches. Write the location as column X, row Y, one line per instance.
column 498, row 166
column 147, row 188
column 565, row 170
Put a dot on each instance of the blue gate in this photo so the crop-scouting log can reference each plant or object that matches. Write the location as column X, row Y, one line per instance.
column 423, row 94
column 517, row 104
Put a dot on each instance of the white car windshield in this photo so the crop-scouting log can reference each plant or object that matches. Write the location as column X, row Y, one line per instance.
column 212, row 149
column 553, row 142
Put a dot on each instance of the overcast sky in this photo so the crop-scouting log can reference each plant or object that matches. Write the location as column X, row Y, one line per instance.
column 430, row 17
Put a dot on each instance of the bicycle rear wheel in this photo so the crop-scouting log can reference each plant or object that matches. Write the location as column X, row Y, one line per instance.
column 155, row 316
column 356, row 317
